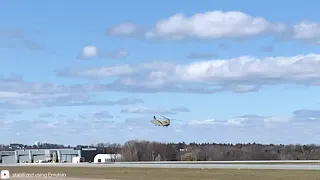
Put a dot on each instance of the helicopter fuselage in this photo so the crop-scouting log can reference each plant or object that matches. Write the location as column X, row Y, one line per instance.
column 164, row 123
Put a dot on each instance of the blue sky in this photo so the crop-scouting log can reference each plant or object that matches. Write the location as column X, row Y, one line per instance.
column 230, row 71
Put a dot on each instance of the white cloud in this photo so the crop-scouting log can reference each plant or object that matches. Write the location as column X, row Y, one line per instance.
column 118, row 70
column 10, row 95
column 220, row 24
column 276, row 119
column 203, row 122
column 96, row 116
column 38, row 97
column 307, row 31
column 89, row 51
column 301, row 116
column 235, row 122
column 241, row 74
column 212, row 24
column 15, row 93
column 229, row 122
column 70, row 100
column 155, row 111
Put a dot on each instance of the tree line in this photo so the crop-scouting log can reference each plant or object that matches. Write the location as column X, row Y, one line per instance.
column 136, row 150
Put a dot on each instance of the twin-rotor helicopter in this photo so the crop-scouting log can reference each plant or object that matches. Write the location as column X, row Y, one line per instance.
column 161, row 121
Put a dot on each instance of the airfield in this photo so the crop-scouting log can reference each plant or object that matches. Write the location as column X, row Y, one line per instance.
column 221, row 170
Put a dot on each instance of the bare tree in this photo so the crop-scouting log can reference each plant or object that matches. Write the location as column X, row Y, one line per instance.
column 130, row 151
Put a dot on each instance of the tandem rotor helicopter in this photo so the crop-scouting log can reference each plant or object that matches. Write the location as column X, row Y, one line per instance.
column 163, row 121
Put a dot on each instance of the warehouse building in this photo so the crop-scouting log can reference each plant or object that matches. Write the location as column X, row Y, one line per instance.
column 47, row 155
column 89, row 153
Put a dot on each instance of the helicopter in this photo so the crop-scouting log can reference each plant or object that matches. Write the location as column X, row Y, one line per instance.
column 165, row 122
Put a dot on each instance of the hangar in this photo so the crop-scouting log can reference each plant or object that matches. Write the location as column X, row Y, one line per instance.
column 47, row 155
column 104, row 158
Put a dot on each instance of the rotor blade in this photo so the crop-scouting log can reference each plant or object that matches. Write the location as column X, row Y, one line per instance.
column 170, row 118
column 165, row 117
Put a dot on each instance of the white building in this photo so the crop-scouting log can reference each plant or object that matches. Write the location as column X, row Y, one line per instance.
column 104, row 158
column 77, row 159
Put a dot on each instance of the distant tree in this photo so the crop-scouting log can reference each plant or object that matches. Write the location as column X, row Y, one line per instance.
column 100, row 145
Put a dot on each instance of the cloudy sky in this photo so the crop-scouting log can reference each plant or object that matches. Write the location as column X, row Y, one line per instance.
column 89, row 72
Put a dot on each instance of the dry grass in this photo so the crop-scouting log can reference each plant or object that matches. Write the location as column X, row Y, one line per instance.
column 171, row 174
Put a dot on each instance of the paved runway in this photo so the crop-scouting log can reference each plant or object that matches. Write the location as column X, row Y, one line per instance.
column 167, row 165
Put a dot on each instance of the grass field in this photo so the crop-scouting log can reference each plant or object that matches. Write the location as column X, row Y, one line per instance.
column 170, row 174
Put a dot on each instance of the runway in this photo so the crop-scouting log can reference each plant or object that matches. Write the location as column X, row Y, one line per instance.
column 178, row 165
